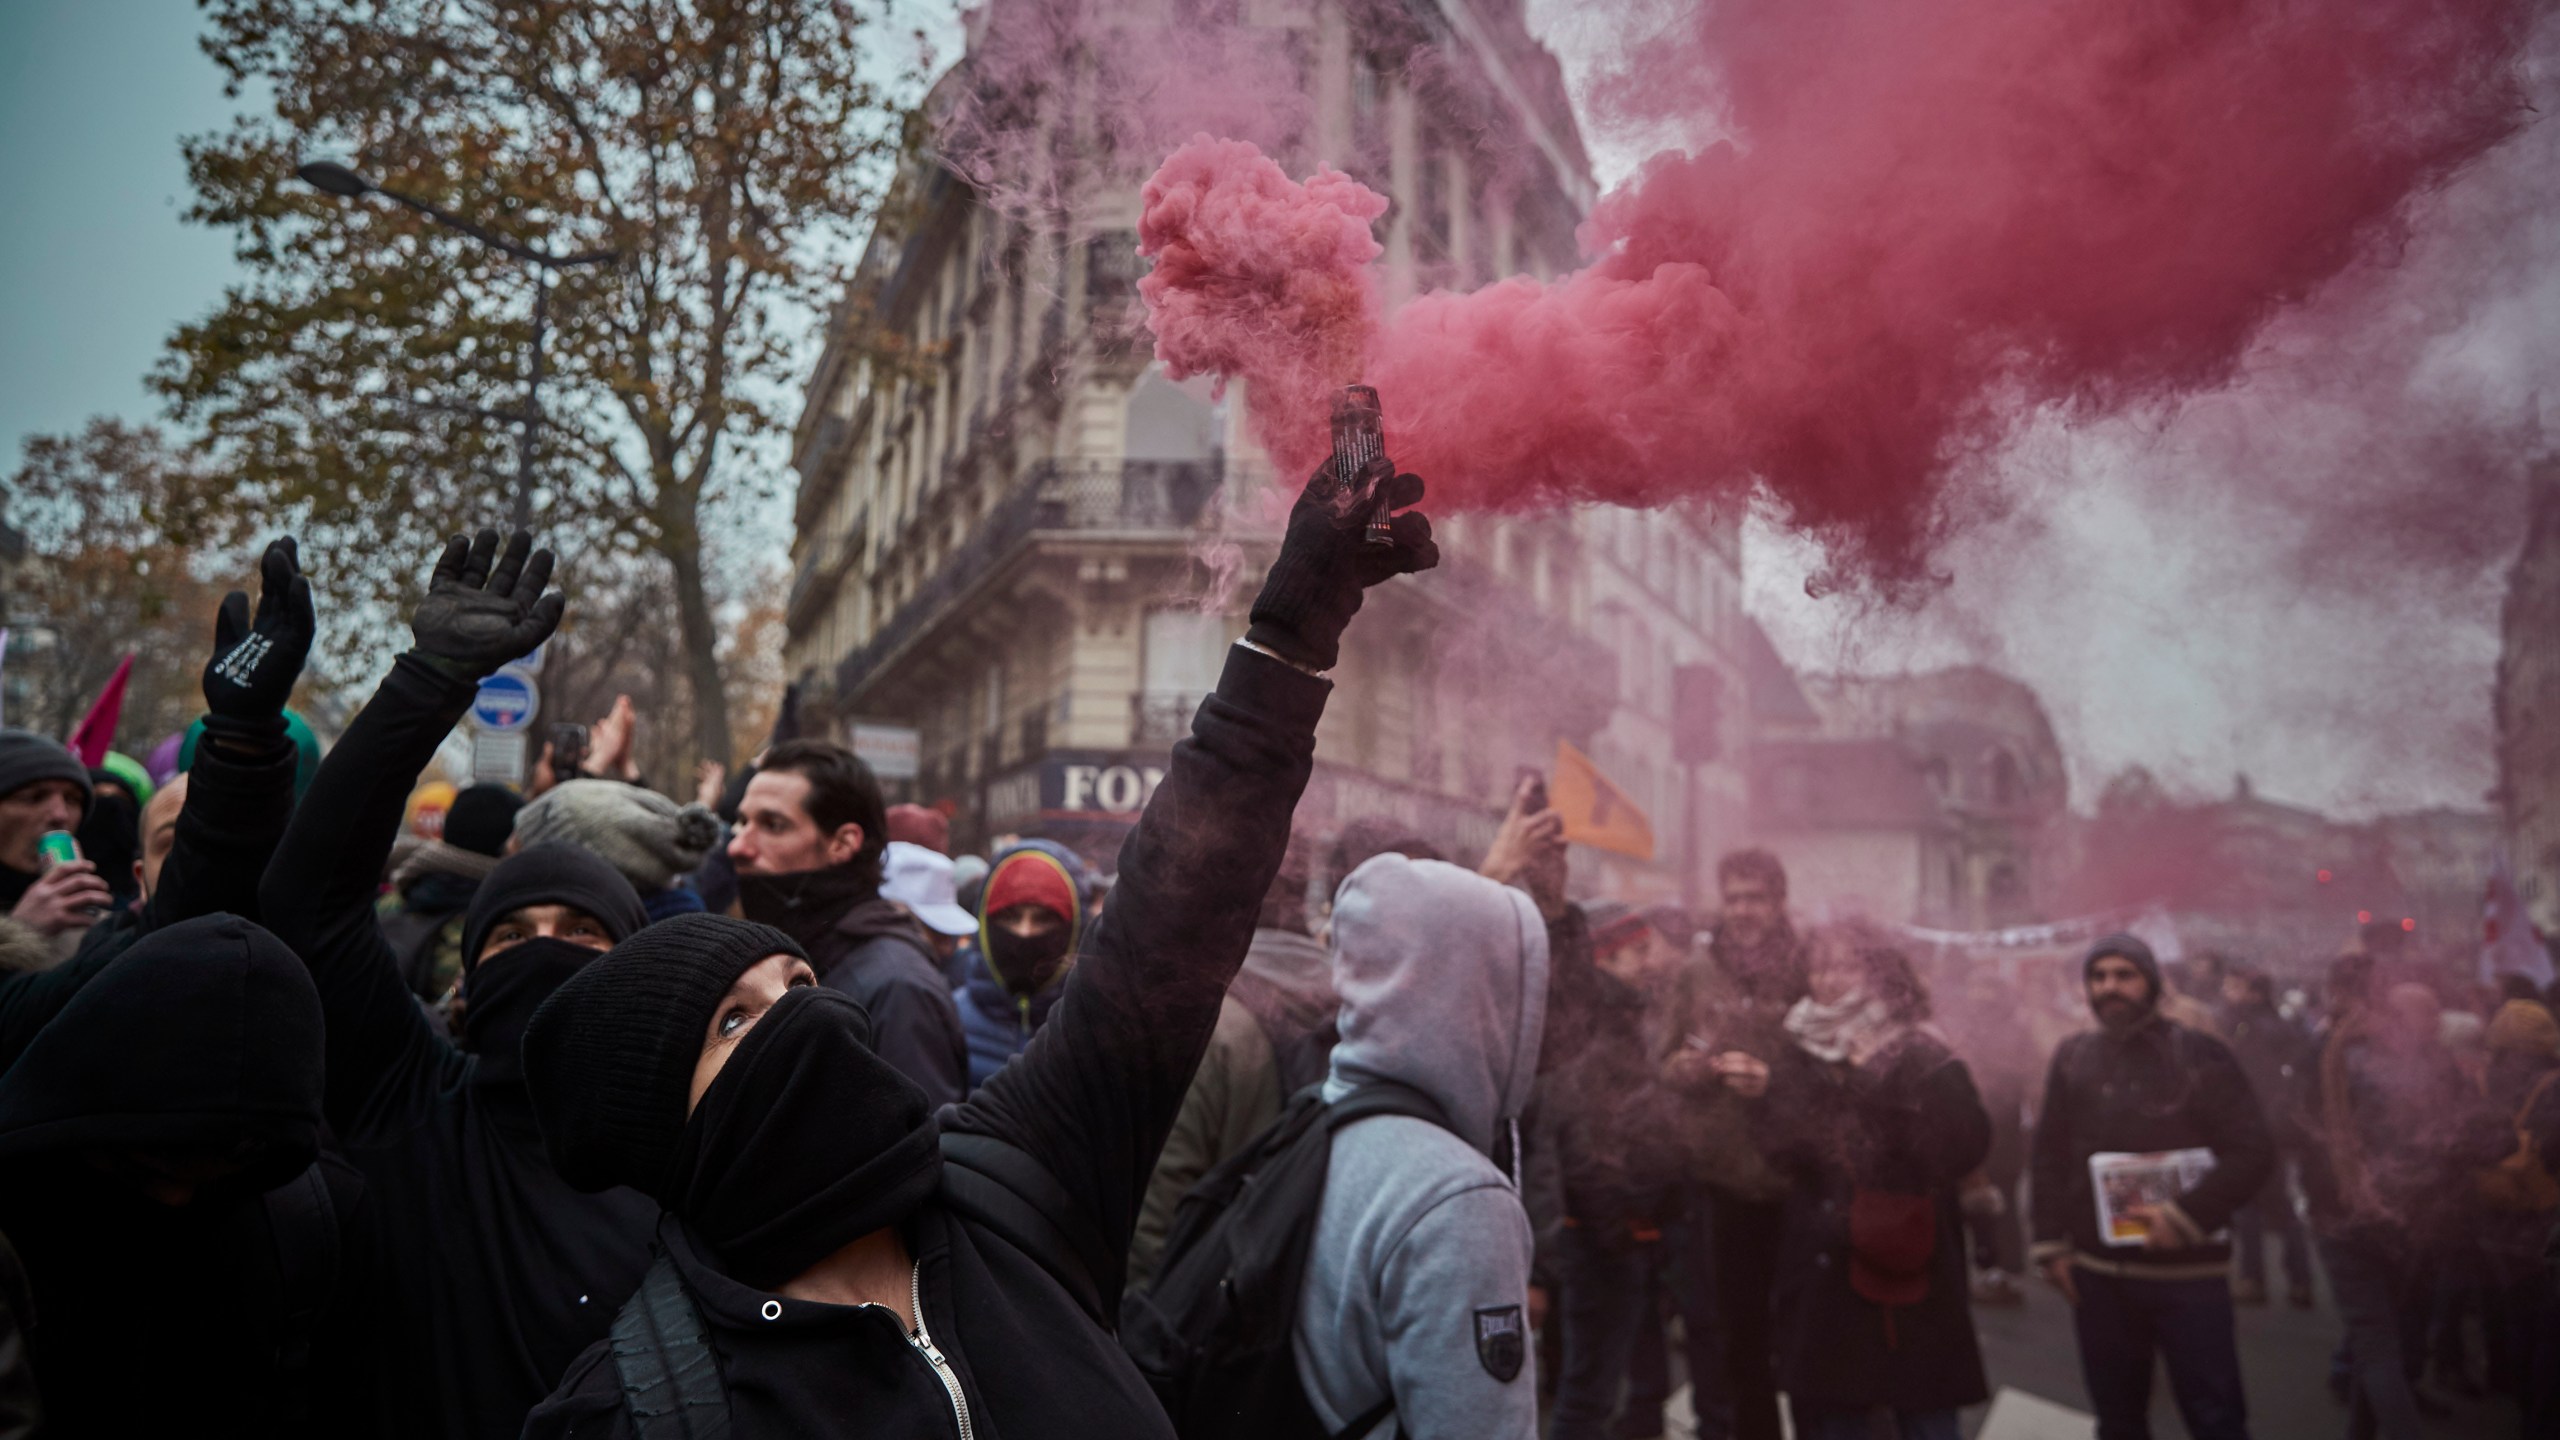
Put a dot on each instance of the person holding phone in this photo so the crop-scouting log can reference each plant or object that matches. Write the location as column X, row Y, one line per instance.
column 44, row 790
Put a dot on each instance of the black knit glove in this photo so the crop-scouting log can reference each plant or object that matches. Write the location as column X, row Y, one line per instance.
column 485, row 606
column 1326, row 562
column 257, row 659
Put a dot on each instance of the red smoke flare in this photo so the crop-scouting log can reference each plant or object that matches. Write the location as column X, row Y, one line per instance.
column 1934, row 221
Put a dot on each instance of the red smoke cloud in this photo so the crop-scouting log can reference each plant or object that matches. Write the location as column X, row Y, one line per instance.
column 1933, row 222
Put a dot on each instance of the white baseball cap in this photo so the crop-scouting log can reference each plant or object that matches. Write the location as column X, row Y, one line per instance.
column 920, row 879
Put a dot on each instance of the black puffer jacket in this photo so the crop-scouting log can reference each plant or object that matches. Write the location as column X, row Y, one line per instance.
column 877, row 955
column 1091, row 1100
column 2157, row 1086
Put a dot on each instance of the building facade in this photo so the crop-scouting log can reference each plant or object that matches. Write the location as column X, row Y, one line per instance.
column 1937, row 799
column 1017, row 536
column 2528, row 706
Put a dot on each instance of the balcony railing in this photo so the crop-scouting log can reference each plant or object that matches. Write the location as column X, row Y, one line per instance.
column 1151, row 497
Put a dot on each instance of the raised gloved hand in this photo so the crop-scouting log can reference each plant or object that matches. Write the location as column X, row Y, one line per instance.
column 257, row 658
column 485, row 607
column 1326, row 562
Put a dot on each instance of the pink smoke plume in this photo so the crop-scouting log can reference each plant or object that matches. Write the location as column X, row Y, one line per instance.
column 1260, row 278
column 1933, row 223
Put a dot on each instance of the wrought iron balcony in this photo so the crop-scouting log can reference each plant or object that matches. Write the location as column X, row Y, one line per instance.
column 1182, row 499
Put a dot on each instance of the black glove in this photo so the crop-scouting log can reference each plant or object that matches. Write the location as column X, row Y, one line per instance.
column 486, row 607
column 1326, row 561
column 256, row 660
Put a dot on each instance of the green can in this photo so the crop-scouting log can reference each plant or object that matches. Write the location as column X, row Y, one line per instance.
column 56, row 848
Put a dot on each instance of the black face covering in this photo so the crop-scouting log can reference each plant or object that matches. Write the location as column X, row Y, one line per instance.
column 804, row 904
column 805, row 1143
column 1027, row 963
column 503, row 991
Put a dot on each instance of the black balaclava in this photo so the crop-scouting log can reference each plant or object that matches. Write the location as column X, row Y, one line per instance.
column 205, row 1036
column 1031, row 873
column 609, row 1057
column 503, row 996
column 550, row 875
column 806, row 904
column 2131, row 948
column 499, row 997
column 806, row 1142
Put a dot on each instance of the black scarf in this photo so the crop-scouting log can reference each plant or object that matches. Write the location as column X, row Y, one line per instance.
column 805, row 1143
column 1026, row 964
column 500, row 996
column 805, row 904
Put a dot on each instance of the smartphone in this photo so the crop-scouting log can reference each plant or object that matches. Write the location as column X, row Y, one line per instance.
column 568, row 750
column 56, row 848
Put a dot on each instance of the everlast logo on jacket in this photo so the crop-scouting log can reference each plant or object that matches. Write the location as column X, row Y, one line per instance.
column 1502, row 1342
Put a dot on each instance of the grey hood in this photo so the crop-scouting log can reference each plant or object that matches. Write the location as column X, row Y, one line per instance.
column 1443, row 979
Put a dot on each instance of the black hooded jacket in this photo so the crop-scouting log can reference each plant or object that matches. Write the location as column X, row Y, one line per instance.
column 235, row 811
column 233, row 1313
column 1091, row 1099
column 2154, row 1086
column 492, row 1271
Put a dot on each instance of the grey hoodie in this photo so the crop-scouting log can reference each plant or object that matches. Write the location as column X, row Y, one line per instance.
column 1419, row 1279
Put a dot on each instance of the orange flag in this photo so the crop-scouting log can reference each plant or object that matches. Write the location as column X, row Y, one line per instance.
column 1596, row 812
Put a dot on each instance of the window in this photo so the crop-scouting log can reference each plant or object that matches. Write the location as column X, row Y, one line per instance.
column 1183, row 651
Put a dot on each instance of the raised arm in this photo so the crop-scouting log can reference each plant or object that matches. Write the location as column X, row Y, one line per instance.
column 240, row 789
column 1096, row 1092
column 383, row 1054
column 239, row 793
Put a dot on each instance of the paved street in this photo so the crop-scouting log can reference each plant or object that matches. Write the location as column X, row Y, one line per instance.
column 2283, row 1352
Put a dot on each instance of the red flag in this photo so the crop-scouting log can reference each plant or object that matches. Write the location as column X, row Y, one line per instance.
column 95, row 735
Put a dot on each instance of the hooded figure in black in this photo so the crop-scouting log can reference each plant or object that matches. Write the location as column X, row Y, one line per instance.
column 494, row 1273
column 239, row 795
column 833, row 1234
column 157, row 1175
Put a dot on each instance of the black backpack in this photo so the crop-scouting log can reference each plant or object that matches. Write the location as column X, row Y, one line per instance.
column 1214, row 1335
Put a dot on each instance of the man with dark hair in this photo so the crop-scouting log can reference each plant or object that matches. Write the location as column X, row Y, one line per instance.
column 811, row 829
column 1731, row 1010
column 2154, row 1283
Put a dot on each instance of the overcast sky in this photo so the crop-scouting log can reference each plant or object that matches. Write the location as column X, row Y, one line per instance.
column 2175, row 607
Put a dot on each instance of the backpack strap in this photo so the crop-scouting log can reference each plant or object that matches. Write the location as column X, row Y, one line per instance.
column 662, row 1353
column 1000, row 1186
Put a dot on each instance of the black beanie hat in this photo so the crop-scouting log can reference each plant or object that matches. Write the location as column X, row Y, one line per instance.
column 551, row 875
column 609, row 1057
column 2125, row 947
column 481, row 818
column 27, row 758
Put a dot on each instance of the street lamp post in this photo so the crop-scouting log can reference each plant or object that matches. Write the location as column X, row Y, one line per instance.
column 340, row 181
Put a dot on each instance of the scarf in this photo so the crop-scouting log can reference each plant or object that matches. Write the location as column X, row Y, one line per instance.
column 806, row 1142
column 499, row 998
column 804, row 904
column 1851, row 1030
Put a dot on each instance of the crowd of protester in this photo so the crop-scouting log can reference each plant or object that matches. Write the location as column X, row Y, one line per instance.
column 336, row 1103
